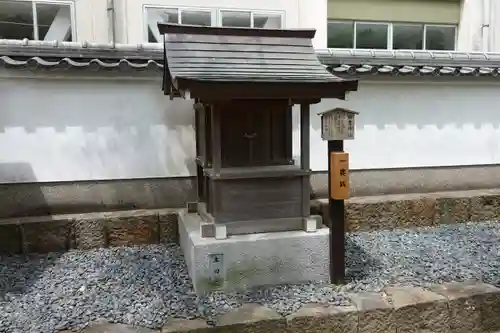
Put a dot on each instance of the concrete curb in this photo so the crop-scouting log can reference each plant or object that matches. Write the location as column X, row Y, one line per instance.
column 138, row 227
column 42, row 234
column 446, row 308
column 415, row 210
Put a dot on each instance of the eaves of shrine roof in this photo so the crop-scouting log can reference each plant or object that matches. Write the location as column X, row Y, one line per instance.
column 270, row 62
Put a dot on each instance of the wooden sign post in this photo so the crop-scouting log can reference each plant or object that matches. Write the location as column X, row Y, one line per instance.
column 337, row 125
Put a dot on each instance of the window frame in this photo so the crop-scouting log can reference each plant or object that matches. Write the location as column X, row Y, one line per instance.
column 355, row 32
column 216, row 15
column 390, row 32
column 145, row 7
column 252, row 12
column 455, row 33
column 36, row 32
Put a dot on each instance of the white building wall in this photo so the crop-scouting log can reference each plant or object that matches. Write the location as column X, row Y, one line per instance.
column 135, row 18
column 313, row 14
column 91, row 21
column 70, row 129
column 93, row 24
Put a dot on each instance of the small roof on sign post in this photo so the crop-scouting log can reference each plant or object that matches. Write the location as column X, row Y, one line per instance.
column 338, row 110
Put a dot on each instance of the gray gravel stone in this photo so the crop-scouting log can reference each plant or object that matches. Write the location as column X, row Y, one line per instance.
column 142, row 286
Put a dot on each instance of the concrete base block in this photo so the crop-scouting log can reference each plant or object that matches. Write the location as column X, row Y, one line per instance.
column 252, row 260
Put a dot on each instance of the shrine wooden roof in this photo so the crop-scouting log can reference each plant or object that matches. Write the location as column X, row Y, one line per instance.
column 216, row 62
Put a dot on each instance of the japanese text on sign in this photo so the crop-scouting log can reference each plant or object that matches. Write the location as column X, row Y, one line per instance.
column 339, row 177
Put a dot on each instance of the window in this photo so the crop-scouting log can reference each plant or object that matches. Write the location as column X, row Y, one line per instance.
column 407, row 36
column 36, row 20
column 371, row 35
column 208, row 17
column 340, row 35
column 248, row 19
column 439, row 37
column 391, row 36
column 201, row 17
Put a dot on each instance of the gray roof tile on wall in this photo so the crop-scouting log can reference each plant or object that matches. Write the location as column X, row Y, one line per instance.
column 24, row 54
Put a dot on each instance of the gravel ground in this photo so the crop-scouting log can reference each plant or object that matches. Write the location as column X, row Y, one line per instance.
column 143, row 285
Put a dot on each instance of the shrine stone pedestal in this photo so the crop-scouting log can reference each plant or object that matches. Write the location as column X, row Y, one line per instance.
column 243, row 261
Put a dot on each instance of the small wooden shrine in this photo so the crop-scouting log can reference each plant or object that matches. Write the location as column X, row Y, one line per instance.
column 244, row 83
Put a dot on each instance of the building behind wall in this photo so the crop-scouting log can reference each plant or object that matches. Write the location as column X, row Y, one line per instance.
column 465, row 25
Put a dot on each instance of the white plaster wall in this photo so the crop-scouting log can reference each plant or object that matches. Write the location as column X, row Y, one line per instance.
column 64, row 130
column 416, row 125
column 76, row 129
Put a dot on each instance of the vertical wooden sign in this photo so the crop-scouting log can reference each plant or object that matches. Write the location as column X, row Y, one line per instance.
column 339, row 176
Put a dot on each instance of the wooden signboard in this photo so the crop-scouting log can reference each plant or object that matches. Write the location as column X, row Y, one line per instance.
column 339, row 177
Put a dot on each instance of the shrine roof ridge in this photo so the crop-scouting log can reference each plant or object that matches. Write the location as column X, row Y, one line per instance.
column 170, row 28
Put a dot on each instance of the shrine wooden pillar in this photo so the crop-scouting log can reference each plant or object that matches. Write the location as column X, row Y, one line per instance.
column 305, row 156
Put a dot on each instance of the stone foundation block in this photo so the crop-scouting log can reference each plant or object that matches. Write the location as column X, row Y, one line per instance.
column 375, row 313
column 251, row 318
column 420, row 213
column 89, row 233
column 244, row 261
column 317, row 318
column 485, row 208
column 377, row 215
column 47, row 235
column 417, row 310
column 453, row 210
column 10, row 238
column 168, row 228
column 132, row 228
column 474, row 307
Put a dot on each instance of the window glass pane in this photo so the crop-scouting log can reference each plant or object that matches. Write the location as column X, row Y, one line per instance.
column 341, row 35
column 407, row 36
column 236, row 19
column 54, row 21
column 267, row 21
column 16, row 19
column 155, row 15
column 439, row 38
column 193, row 17
column 371, row 36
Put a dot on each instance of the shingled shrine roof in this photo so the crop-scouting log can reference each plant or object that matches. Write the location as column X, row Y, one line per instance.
column 246, row 63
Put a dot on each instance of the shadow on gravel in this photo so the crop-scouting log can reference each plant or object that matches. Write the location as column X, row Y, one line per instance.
column 359, row 264
column 18, row 273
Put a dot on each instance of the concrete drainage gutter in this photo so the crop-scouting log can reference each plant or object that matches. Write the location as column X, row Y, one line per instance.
column 445, row 308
